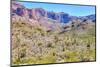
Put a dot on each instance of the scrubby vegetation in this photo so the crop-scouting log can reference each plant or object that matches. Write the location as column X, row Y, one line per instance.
column 36, row 45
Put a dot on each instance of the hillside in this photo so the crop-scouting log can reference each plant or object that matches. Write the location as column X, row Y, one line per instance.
column 42, row 37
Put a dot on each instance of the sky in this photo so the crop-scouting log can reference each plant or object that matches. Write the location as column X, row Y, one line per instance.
column 74, row 10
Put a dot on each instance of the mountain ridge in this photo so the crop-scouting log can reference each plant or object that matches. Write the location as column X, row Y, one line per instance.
column 40, row 12
column 49, row 20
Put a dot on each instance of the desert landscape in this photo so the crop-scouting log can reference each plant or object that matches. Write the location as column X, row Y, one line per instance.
column 43, row 37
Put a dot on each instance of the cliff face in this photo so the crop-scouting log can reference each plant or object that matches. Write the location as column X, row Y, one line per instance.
column 38, row 13
column 50, row 20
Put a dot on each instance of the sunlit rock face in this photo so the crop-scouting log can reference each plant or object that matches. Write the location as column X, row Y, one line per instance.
column 48, row 19
column 40, row 13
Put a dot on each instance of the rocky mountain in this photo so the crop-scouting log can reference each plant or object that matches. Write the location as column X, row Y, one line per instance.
column 89, row 17
column 39, row 13
column 50, row 20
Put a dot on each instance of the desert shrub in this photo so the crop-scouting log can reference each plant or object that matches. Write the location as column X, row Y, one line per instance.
column 48, row 44
column 39, row 44
column 72, row 57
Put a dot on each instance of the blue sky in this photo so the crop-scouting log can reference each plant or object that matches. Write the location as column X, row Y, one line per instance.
column 74, row 10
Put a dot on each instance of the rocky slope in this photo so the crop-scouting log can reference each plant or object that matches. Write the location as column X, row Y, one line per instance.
column 50, row 20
